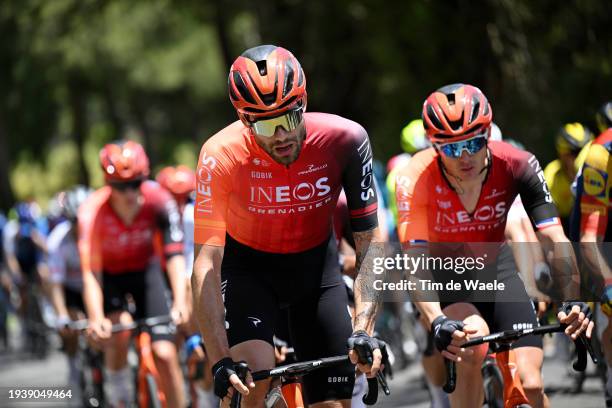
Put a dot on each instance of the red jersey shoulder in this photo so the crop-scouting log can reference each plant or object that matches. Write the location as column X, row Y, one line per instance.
column 422, row 163
column 91, row 206
column 604, row 138
column 508, row 152
column 515, row 160
column 326, row 127
column 230, row 144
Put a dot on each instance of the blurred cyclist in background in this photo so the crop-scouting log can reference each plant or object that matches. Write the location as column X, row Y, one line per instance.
column 24, row 241
column 125, row 228
column 180, row 181
column 590, row 224
column 66, row 281
column 560, row 173
column 5, row 287
column 412, row 140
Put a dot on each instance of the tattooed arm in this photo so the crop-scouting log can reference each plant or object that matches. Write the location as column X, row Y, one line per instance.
column 368, row 245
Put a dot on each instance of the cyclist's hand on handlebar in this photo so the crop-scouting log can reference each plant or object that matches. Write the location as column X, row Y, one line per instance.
column 449, row 335
column 100, row 331
column 364, row 351
column 226, row 380
column 179, row 313
column 577, row 316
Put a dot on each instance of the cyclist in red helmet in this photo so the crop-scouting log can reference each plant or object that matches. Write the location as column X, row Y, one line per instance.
column 460, row 191
column 125, row 228
column 179, row 180
column 267, row 186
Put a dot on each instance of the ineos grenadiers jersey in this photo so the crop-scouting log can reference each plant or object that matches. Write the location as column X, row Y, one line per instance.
column 64, row 260
column 594, row 190
column 430, row 210
column 275, row 208
column 107, row 244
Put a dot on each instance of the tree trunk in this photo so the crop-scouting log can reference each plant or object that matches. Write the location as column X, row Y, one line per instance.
column 221, row 27
column 79, row 123
column 7, row 198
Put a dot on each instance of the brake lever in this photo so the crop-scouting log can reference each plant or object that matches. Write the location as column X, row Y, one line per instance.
column 241, row 369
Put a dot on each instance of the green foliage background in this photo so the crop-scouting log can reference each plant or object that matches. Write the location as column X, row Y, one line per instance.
column 75, row 74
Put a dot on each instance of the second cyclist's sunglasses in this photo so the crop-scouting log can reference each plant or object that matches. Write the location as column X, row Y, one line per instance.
column 471, row 146
column 288, row 121
column 126, row 185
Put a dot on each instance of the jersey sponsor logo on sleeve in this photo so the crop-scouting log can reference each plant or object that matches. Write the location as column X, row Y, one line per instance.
column 535, row 164
column 204, row 200
column 367, row 188
column 174, row 219
column 594, row 181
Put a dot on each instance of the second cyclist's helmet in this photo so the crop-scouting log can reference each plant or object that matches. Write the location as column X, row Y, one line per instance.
column 456, row 112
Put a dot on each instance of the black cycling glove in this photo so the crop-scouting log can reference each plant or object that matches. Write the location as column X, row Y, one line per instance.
column 364, row 346
column 443, row 329
column 566, row 307
column 221, row 372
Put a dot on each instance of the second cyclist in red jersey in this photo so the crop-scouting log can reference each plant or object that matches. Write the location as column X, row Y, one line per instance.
column 460, row 191
column 124, row 229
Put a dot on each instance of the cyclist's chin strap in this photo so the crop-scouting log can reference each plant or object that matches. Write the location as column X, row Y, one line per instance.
column 448, row 174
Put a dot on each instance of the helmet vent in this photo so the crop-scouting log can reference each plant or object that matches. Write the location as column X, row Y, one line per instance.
column 242, row 89
column 431, row 114
column 262, row 66
column 456, row 124
column 288, row 79
column 451, row 99
column 475, row 109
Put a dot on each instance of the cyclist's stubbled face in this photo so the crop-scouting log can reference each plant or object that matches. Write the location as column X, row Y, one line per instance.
column 284, row 147
column 467, row 167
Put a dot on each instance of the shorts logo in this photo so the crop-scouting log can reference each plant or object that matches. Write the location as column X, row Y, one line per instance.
column 255, row 320
column 337, row 379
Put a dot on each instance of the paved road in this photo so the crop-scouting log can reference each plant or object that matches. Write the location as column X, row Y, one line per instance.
column 18, row 370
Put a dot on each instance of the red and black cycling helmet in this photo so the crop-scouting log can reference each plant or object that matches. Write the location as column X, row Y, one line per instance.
column 266, row 81
column 456, row 112
column 180, row 180
column 124, row 161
